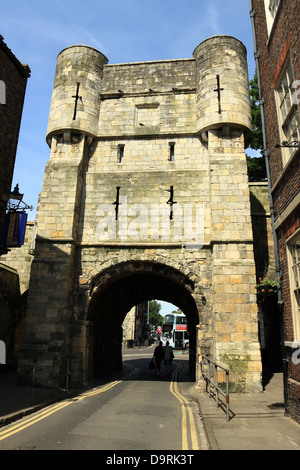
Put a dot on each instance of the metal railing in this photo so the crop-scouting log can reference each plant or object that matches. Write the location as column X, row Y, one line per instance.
column 214, row 386
column 63, row 367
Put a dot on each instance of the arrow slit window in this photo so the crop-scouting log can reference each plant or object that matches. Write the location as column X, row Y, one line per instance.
column 172, row 151
column 121, row 153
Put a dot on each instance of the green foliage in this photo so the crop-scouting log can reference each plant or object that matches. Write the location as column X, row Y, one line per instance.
column 257, row 138
column 155, row 318
column 256, row 165
column 256, row 168
column 267, row 286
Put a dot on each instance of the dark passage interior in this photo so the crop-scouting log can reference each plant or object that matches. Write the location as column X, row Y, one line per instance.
column 123, row 286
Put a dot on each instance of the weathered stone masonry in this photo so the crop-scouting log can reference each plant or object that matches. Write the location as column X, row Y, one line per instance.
column 134, row 132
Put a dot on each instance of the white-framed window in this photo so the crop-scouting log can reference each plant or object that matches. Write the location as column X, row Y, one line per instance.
column 294, row 274
column 271, row 7
column 288, row 112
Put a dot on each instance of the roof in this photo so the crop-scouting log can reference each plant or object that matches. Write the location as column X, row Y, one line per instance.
column 24, row 69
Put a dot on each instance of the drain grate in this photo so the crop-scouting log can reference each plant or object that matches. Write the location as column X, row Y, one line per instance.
column 25, row 448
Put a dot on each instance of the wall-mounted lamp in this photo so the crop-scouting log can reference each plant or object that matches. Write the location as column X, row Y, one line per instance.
column 15, row 194
column 16, row 202
column 203, row 300
column 285, row 144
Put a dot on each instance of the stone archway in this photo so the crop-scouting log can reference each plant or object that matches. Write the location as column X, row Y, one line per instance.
column 117, row 289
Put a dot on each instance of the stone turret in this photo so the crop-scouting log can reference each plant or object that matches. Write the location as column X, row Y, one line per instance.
column 75, row 100
column 222, row 97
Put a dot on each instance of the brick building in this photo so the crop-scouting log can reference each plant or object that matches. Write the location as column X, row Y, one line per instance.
column 13, row 81
column 276, row 31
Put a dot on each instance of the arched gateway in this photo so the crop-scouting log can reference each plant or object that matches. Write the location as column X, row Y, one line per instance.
column 145, row 196
column 118, row 288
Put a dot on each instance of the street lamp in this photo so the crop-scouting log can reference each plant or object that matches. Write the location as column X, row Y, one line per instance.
column 16, row 201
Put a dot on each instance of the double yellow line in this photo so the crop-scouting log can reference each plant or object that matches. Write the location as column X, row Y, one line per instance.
column 52, row 409
column 32, row 420
column 96, row 391
column 187, row 415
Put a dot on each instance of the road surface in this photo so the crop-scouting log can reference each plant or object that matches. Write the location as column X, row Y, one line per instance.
column 140, row 411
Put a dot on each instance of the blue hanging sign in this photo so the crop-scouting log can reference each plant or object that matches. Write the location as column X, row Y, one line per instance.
column 14, row 229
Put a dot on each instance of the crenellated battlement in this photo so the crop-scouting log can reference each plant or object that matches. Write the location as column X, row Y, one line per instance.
column 171, row 97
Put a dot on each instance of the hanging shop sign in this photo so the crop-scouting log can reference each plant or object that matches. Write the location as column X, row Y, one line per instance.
column 14, row 229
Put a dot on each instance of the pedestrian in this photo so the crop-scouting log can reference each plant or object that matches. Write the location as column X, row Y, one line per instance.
column 158, row 357
column 168, row 356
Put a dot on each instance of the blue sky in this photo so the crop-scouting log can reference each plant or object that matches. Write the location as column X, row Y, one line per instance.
column 123, row 30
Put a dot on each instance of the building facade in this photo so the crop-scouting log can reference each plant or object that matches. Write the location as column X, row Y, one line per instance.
column 276, row 29
column 13, row 82
column 146, row 196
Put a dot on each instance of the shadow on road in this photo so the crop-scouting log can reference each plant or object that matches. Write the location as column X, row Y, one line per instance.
column 142, row 366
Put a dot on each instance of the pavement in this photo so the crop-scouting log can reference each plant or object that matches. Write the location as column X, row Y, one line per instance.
column 257, row 421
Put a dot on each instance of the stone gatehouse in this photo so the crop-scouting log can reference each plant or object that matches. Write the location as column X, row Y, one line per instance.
column 146, row 196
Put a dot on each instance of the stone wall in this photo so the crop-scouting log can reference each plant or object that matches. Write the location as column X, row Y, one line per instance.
column 21, row 258
column 15, row 270
column 10, row 304
column 262, row 231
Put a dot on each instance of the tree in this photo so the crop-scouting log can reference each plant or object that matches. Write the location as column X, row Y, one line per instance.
column 155, row 318
column 256, row 165
column 257, row 136
column 256, row 168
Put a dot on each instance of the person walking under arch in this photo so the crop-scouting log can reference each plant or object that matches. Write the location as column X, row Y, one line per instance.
column 168, row 356
column 158, row 357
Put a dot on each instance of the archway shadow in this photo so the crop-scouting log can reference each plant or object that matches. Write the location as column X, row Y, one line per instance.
column 124, row 286
column 144, row 374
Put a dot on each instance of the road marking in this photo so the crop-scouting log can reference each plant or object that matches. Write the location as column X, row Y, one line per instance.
column 53, row 409
column 34, row 419
column 96, row 391
column 186, row 412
